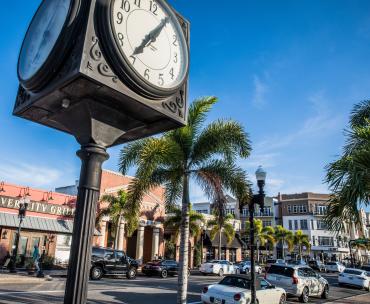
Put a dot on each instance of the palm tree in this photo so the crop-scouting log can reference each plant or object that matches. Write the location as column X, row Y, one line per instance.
column 262, row 235
column 116, row 210
column 206, row 153
column 300, row 239
column 220, row 225
column 349, row 176
column 284, row 236
column 173, row 221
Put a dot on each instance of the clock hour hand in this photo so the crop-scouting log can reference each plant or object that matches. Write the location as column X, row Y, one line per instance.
column 151, row 36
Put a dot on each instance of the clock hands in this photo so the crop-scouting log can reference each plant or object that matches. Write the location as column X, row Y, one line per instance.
column 151, row 36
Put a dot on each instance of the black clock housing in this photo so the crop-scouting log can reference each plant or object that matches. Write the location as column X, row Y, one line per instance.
column 80, row 92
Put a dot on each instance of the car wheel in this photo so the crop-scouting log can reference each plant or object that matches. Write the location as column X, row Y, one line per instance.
column 164, row 274
column 131, row 274
column 282, row 299
column 325, row 293
column 96, row 273
column 221, row 272
column 304, row 296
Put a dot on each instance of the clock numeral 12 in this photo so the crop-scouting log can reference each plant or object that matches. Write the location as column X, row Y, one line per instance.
column 153, row 7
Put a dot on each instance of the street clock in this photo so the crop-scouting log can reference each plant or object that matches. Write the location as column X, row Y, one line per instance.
column 119, row 63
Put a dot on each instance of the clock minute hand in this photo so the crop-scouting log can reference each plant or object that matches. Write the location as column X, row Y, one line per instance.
column 151, row 36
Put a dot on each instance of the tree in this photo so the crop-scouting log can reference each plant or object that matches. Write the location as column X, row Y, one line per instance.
column 349, row 176
column 205, row 153
column 174, row 222
column 220, row 225
column 284, row 236
column 262, row 235
column 300, row 239
column 116, row 210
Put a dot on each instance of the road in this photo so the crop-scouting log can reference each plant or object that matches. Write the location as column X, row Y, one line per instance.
column 140, row 291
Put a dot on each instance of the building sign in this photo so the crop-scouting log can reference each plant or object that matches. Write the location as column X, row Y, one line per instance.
column 34, row 206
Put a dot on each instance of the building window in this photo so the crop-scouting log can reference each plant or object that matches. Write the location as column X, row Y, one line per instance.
column 321, row 225
column 245, row 212
column 326, row 241
column 266, row 223
column 204, row 211
column 289, row 209
column 296, row 225
column 295, row 209
column 290, row 225
column 313, row 241
column 321, row 210
column 304, row 225
column 312, row 225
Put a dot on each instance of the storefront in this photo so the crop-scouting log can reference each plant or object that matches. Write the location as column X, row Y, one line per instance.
column 48, row 222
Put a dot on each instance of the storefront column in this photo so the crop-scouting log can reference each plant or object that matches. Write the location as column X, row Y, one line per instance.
column 103, row 232
column 140, row 243
column 155, row 243
column 121, row 235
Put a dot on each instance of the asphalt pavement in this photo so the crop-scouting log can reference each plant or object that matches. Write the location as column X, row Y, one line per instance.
column 143, row 290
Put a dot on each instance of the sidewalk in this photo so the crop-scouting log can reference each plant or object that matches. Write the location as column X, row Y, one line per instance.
column 21, row 276
column 359, row 299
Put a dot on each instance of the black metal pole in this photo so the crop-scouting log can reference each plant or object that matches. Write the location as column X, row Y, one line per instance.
column 92, row 157
column 15, row 250
column 251, row 247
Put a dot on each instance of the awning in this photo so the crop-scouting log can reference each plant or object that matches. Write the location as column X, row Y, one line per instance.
column 235, row 243
column 39, row 224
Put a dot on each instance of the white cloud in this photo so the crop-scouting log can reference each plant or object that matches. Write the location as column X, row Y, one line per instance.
column 31, row 175
column 260, row 90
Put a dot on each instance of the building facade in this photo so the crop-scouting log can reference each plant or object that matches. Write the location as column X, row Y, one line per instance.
column 306, row 212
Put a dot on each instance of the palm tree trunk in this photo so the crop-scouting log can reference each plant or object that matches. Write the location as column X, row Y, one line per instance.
column 282, row 248
column 184, row 244
column 118, row 226
column 219, row 245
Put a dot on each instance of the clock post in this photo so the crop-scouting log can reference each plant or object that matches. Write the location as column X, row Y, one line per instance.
column 79, row 74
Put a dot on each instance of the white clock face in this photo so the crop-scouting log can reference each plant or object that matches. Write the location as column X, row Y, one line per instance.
column 42, row 36
column 151, row 39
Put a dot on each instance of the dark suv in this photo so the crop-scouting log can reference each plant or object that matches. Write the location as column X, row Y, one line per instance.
column 161, row 268
column 106, row 261
column 317, row 265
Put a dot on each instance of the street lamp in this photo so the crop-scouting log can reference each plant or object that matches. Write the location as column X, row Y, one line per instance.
column 202, row 235
column 23, row 204
column 258, row 199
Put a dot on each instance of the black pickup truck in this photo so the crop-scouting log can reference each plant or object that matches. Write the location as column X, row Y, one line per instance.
column 106, row 261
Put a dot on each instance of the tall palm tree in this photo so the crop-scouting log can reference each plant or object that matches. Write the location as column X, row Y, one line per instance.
column 262, row 235
column 220, row 225
column 173, row 221
column 284, row 236
column 349, row 176
column 300, row 239
column 206, row 153
column 116, row 210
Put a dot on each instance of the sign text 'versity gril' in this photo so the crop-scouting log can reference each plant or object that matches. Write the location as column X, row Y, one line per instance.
column 34, row 206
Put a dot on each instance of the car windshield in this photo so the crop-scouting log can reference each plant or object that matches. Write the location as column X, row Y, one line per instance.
column 366, row 267
column 214, row 261
column 236, row 282
column 353, row 271
column 271, row 261
column 331, row 263
column 281, row 270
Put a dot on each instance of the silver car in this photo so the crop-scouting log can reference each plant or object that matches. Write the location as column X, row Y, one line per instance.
column 297, row 280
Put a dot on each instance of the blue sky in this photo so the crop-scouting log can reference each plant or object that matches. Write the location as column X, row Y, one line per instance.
column 289, row 71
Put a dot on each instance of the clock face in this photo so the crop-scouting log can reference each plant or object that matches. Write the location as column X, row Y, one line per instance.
column 151, row 41
column 41, row 37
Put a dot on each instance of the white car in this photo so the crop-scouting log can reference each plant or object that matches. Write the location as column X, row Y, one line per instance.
column 219, row 267
column 334, row 267
column 235, row 289
column 245, row 267
column 355, row 277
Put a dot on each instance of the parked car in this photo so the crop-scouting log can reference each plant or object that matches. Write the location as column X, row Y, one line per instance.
column 335, row 267
column 317, row 265
column 355, row 277
column 299, row 281
column 236, row 289
column 245, row 267
column 162, row 268
column 269, row 262
column 106, row 261
column 365, row 267
column 219, row 267
column 297, row 262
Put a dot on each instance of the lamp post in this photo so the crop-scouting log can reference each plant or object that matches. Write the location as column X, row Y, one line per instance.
column 202, row 226
column 259, row 200
column 23, row 204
